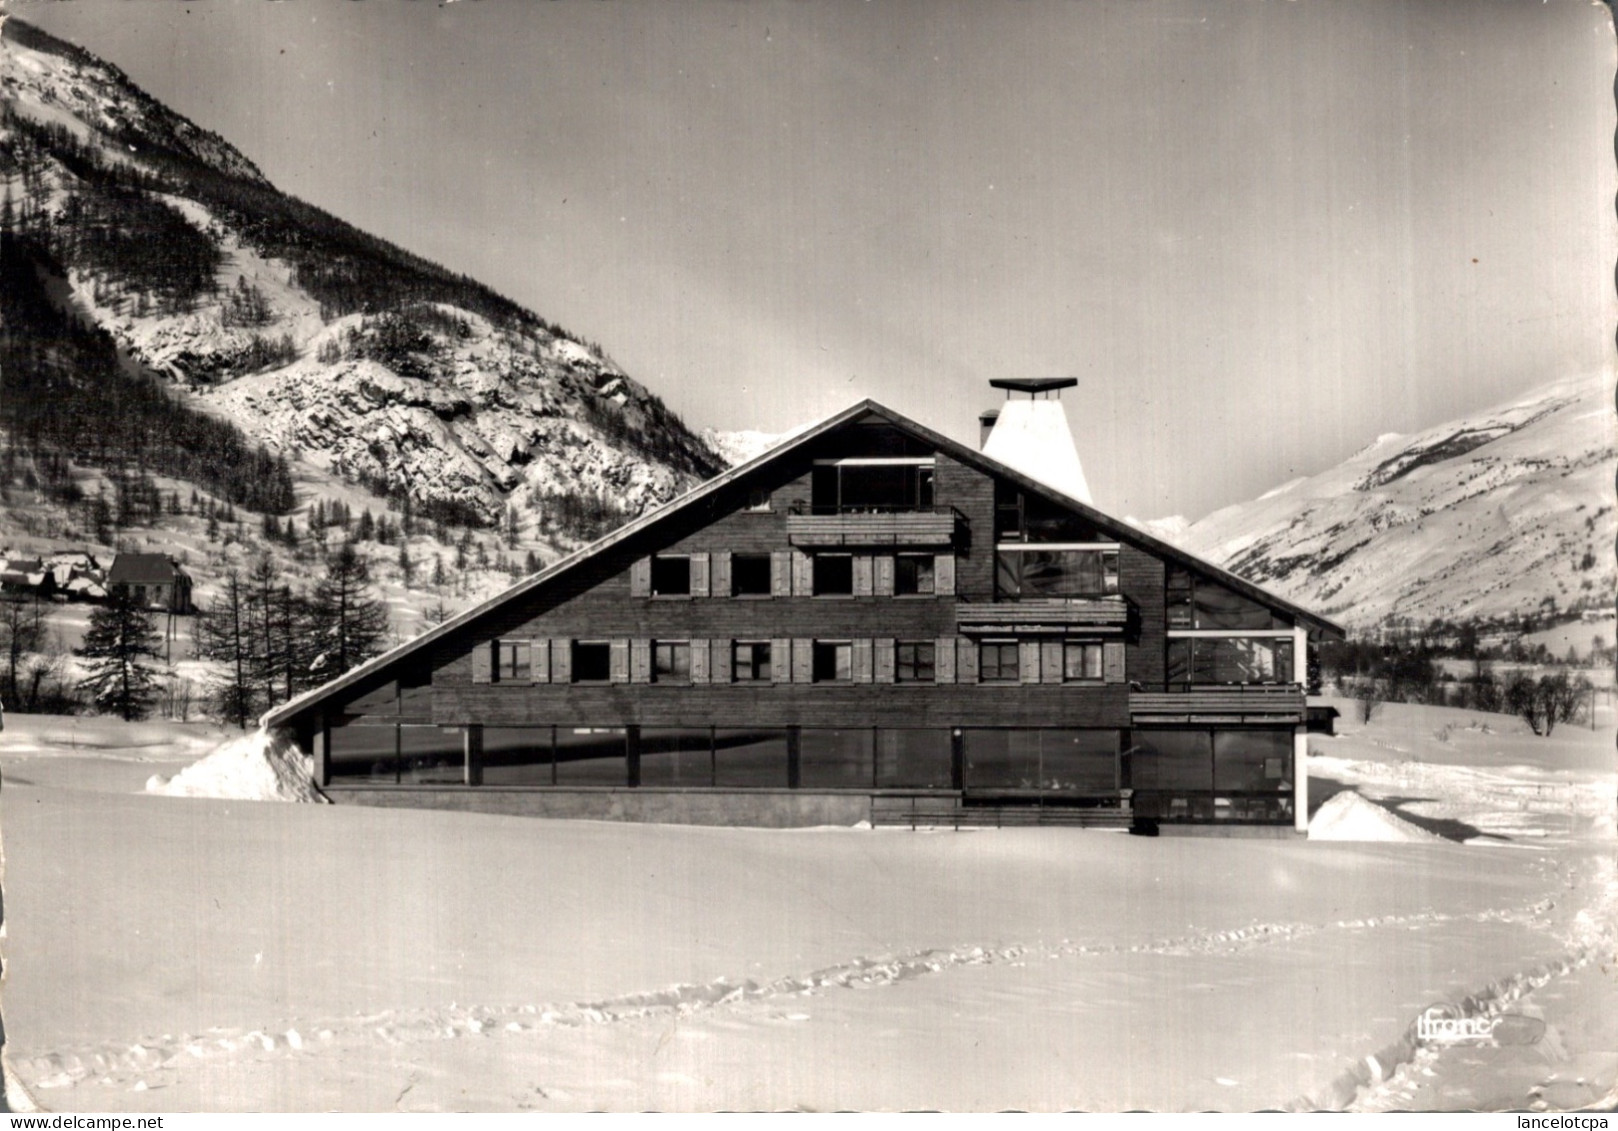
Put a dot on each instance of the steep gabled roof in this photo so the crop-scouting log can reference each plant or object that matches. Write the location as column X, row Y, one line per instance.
column 862, row 412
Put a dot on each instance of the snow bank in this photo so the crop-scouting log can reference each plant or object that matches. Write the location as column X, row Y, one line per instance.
column 1348, row 816
column 262, row 766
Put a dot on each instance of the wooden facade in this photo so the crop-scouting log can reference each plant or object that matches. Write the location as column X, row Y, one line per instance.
column 742, row 644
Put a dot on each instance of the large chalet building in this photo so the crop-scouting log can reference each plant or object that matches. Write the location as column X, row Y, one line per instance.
column 870, row 621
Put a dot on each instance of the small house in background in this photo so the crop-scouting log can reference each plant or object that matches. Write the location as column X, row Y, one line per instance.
column 25, row 575
column 155, row 581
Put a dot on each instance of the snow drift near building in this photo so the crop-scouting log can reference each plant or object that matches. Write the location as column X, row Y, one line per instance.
column 263, row 766
column 1348, row 816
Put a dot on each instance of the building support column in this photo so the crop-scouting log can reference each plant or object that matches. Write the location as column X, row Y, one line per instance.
column 322, row 752
column 1300, row 778
column 472, row 745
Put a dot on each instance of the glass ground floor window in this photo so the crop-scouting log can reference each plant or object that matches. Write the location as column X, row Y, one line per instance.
column 1044, row 758
column 1207, row 774
column 394, row 753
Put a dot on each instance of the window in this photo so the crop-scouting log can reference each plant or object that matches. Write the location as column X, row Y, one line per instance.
column 1195, row 602
column 512, row 661
column 913, row 575
column 750, row 661
column 592, row 661
column 1020, row 517
column 834, row 575
column 1080, row 660
column 833, row 663
column 1077, row 761
column 913, row 663
column 671, row 576
column 1035, row 572
column 750, row 575
column 836, row 759
column 671, row 661
column 997, row 661
column 875, row 486
column 758, row 499
column 1230, row 659
column 914, row 758
column 676, row 756
column 592, row 756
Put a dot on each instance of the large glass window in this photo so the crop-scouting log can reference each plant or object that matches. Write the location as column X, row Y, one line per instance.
column 750, row 661
column 913, row 575
column 1252, row 761
column 671, row 661
column 1042, row 573
column 1047, row 759
column 913, row 758
column 592, row 756
column 752, row 757
column 1196, row 602
column 360, row 751
column 833, row 662
column 432, row 755
column 513, row 661
column 1172, row 759
column 998, row 662
column 517, row 755
column 857, row 487
column 592, row 661
column 914, row 662
column 671, row 576
column 1230, row 659
column 835, row 759
column 1020, row 517
column 834, row 575
column 676, row 756
column 750, row 575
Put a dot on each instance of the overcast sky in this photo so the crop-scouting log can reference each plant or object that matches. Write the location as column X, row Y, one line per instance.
column 1259, row 233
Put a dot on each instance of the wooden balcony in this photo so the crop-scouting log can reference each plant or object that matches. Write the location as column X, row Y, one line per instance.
column 1235, row 704
column 935, row 527
column 1045, row 614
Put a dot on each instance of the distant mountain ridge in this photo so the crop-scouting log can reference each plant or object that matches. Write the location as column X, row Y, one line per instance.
column 1500, row 514
column 305, row 333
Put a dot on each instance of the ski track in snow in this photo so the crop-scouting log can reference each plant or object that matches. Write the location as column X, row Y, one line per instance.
column 161, row 1061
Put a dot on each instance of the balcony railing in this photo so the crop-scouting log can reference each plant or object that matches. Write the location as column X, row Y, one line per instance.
column 932, row 526
column 1240, row 703
column 1053, row 613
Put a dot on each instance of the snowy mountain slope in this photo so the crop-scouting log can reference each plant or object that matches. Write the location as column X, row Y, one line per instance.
column 304, row 332
column 1502, row 513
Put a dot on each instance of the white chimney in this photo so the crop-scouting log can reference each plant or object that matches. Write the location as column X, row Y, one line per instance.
column 1032, row 436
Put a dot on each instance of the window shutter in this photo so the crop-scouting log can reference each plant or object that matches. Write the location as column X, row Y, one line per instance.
column 618, row 654
column 781, row 573
column 1112, row 661
column 803, row 661
column 700, row 670
column 561, row 660
column 966, row 660
column 1050, row 661
column 781, row 661
column 883, row 582
column 539, row 660
column 862, row 661
column 483, row 661
column 862, row 575
column 944, row 659
column 883, row 662
column 640, row 661
column 699, row 575
column 721, row 574
column 803, row 574
column 719, row 665
column 1028, row 661
column 640, row 578
column 944, row 575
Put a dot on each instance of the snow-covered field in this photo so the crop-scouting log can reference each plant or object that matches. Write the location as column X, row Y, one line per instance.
column 178, row 953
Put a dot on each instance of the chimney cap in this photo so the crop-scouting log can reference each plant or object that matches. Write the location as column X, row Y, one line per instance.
column 1033, row 386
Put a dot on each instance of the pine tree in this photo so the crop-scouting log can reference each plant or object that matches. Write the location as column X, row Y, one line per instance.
column 223, row 634
column 346, row 619
column 406, row 565
column 367, row 527
column 120, row 639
